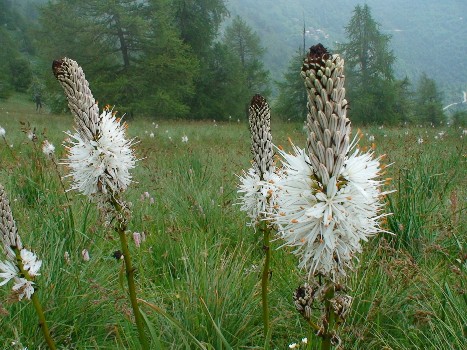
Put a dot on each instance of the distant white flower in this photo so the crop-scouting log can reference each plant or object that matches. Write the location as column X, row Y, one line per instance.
column 67, row 258
column 151, row 134
column 85, row 255
column 9, row 271
column 23, row 287
column 420, row 141
column 293, row 346
column 157, row 126
column 371, row 138
column 184, row 138
column 30, row 262
column 47, row 148
column 2, row 132
column 305, row 340
column 31, row 136
column 137, row 238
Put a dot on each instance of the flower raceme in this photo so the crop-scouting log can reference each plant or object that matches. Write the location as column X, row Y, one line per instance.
column 328, row 200
column 99, row 156
column 326, row 225
column 257, row 184
column 21, row 265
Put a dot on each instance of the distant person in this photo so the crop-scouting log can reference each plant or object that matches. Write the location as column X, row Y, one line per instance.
column 37, row 99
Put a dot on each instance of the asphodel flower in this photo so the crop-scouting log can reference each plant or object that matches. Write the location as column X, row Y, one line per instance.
column 99, row 155
column 21, row 265
column 328, row 127
column 9, row 233
column 257, row 184
column 329, row 196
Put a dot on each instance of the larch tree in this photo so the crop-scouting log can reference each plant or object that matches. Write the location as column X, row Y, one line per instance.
column 369, row 60
column 245, row 44
column 131, row 48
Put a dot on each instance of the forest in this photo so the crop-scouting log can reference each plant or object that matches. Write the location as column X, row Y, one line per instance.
column 205, row 59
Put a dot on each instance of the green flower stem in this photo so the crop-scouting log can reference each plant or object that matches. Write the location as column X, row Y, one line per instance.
column 328, row 326
column 9, row 149
column 313, row 325
column 36, row 303
column 68, row 202
column 130, row 275
column 42, row 322
column 265, row 278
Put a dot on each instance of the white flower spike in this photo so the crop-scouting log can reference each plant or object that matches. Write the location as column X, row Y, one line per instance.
column 99, row 156
column 329, row 197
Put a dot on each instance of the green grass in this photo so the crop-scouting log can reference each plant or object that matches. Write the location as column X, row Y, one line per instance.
column 196, row 270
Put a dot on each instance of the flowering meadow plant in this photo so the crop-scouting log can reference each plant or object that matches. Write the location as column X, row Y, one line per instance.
column 22, row 265
column 100, row 159
column 257, row 183
column 328, row 199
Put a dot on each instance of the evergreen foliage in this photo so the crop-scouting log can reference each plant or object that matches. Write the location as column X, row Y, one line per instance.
column 291, row 101
column 375, row 96
column 15, row 70
column 429, row 101
column 220, row 86
column 131, row 48
column 246, row 45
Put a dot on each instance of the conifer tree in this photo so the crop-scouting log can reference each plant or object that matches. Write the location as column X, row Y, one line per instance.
column 246, row 45
column 375, row 93
column 428, row 100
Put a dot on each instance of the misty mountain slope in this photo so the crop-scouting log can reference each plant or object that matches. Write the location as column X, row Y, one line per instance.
column 427, row 35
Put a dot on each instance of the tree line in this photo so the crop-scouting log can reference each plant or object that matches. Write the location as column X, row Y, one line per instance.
column 160, row 58
column 169, row 59
column 375, row 95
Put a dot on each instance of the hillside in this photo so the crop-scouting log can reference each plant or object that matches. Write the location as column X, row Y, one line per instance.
column 427, row 36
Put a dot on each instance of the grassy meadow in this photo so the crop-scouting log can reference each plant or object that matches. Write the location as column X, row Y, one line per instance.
column 198, row 272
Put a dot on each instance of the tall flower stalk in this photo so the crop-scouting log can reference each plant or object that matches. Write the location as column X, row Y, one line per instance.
column 100, row 159
column 21, row 266
column 257, row 186
column 329, row 197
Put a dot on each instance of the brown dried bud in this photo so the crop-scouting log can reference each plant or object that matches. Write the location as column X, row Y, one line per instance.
column 304, row 297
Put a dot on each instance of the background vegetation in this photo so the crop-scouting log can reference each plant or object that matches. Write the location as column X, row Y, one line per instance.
column 205, row 59
column 200, row 262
